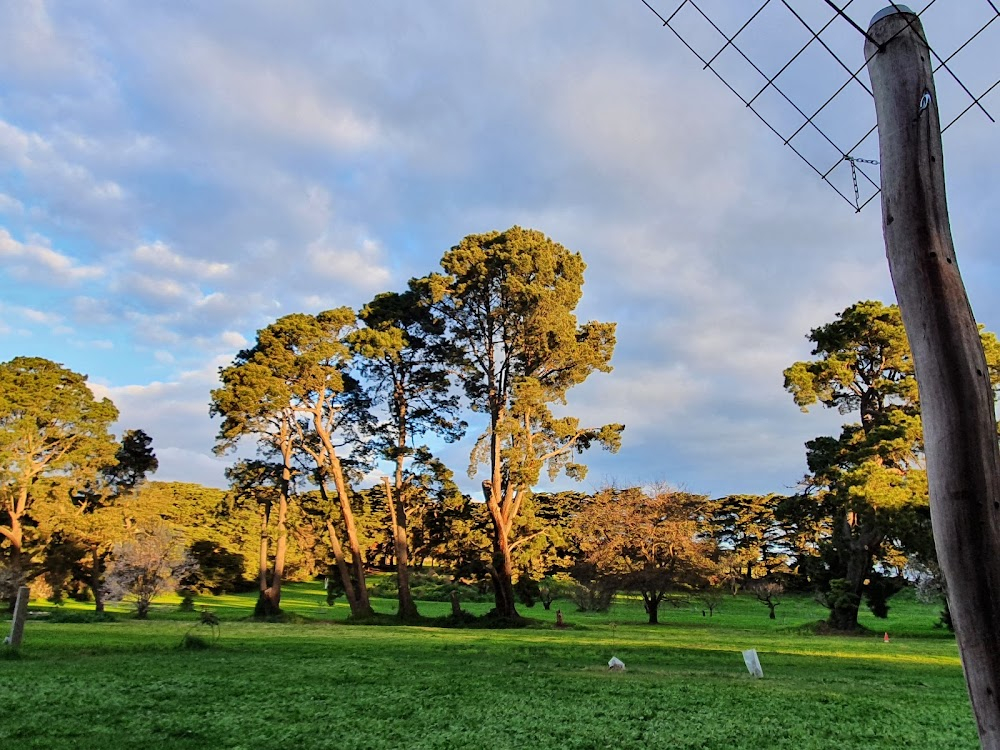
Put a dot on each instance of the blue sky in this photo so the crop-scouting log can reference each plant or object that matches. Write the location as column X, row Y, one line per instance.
column 174, row 176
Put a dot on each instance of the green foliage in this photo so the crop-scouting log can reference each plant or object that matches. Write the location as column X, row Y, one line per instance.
column 192, row 642
column 334, row 587
column 842, row 601
column 879, row 590
column 53, row 433
column 217, row 569
column 431, row 587
column 862, row 364
column 404, row 358
column 866, row 495
column 752, row 539
column 527, row 591
column 593, row 596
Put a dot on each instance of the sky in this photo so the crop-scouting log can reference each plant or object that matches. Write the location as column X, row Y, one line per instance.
column 175, row 176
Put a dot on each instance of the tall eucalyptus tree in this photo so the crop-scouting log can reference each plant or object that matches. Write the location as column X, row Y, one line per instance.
column 507, row 301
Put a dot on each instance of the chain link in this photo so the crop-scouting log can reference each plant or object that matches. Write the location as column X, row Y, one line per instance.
column 854, row 177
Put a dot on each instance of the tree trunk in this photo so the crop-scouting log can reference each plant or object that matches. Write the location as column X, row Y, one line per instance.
column 345, row 573
column 364, row 603
column 407, row 607
column 502, row 568
column 338, row 556
column 265, row 519
column 502, row 577
column 274, row 590
column 503, row 588
column 96, row 572
column 651, row 603
column 16, row 535
column 956, row 398
column 856, row 539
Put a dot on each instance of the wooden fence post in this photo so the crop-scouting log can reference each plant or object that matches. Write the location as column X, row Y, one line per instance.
column 956, row 398
column 20, row 615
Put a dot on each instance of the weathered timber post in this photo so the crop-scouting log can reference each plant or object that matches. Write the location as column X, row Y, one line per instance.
column 20, row 615
column 956, row 398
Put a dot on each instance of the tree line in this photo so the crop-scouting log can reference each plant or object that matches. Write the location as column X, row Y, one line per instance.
column 492, row 335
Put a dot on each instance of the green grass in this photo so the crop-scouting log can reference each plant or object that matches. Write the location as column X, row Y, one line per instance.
column 321, row 683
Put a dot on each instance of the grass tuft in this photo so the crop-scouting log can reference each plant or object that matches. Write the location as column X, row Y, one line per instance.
column 194, row 642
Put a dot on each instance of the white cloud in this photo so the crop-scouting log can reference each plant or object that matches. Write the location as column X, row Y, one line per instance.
column 160, row 257
column 232, row 90
column 36, row 262
column 175, row 414
column 33, row 47
column 32, row 315
column 36, row 158
column 233, row 339
column 9, row 205
column 358, row 267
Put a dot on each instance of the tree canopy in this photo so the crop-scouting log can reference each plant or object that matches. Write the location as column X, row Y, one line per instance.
column 52, row 431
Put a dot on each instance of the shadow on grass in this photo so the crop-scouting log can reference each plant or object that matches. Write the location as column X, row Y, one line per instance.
column 465, row 620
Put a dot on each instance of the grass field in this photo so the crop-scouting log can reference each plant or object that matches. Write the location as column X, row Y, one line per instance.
column 320, row 683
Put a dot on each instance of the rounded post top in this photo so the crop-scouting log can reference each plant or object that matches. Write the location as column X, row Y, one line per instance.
column 891, row 10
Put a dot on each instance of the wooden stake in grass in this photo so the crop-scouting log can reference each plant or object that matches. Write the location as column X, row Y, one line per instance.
column 20, row 615
column 956, row 399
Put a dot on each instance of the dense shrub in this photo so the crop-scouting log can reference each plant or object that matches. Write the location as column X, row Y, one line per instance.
column 218, row 571
column 429, row 587
column 75, row 616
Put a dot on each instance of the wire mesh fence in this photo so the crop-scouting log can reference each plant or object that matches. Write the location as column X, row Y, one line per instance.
column 799, row 66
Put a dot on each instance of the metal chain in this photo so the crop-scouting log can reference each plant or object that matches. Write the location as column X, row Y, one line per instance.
column 854, row 178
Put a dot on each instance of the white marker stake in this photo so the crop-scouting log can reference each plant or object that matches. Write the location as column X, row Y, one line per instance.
column 752, row 662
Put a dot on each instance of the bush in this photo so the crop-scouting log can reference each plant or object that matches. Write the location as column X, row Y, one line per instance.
column 593, row 596
column 149, row 563
column 432, row 587
column 78, row 617
column 187, row 599
column 218, row 571
column 527, row 591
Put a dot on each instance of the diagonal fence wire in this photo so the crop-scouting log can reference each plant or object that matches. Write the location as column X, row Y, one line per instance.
column 817, row 135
